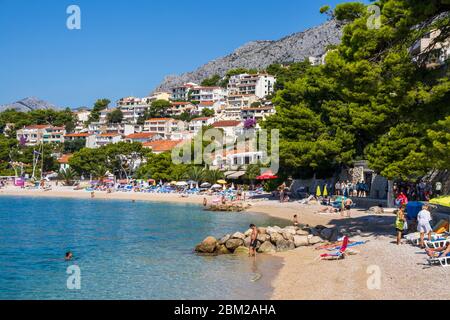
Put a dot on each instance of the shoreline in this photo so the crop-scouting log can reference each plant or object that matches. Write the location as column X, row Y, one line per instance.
column 403, row 270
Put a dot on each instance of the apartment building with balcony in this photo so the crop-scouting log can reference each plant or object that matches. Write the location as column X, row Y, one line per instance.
column 38, row 134
column 257, row 113
column 164, row 126
column 181, row 93
column 213, row 94
column 104, row 139
column 178, row 108
column 235, row 103
column 260, row 85
column 198, row 123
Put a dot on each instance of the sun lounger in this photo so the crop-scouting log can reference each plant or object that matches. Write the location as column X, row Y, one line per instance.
column 437, row 243
column 443, row 261
column 338, row 254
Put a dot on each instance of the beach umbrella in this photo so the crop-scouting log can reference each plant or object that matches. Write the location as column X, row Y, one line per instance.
column 174, row 183
column 181, row 184
column 268, row 175
column 318, row 192
column 221, row 182
column 325, row 191
column 216, row 186
column 205, row 185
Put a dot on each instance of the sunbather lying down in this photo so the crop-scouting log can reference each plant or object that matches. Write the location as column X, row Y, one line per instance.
column 328, row 210
column 439, row 252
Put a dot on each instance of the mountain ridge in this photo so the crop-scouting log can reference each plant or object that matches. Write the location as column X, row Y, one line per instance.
column 259, row 54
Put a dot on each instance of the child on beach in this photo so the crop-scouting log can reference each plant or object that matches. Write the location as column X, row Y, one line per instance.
column 253, row 241
column 400, row 224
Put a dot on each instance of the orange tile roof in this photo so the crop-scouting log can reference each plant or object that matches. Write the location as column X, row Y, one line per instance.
column 162, row 145
column 201, row 119
column 159, row 119
column 38, row 126
column 109, row 135
column 207, row 103
column 65, row 158
column 77, row 135
column 141, row 135
column 226, row 123
column 180, row 103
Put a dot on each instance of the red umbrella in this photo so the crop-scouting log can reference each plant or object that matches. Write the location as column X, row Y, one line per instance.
column 268, row 175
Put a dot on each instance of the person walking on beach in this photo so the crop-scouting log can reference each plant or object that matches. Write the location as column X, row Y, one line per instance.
column 400, row 224
column 337, row 188
column 253, row 241
column 423, row 225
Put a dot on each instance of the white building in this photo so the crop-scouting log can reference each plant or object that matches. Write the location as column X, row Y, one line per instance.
column 208, row 94
column 260, row 85
column 257, row 113
column 132, row 109
column 178, row 108
column 164, row 126
column 198, row 123
column 37, row 134
column 107, row 138
column 231, row 129
column 235, row 103
column 181, row 93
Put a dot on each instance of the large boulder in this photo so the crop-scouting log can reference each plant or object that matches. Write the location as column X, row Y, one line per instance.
column 291, row 229
column 315, row 240
column 262, row 230
column 232, row 244
column 241, row 250
column 248, row 232
column 247, row 241
column 224, row 239
column 275, row 237
column 285, row 245
column 207, row 246
column 222, row 249
column 238, row 235
column 302, row 232
column 301, row 241
column 263, row 237
column 267, row 247
column 288, row 236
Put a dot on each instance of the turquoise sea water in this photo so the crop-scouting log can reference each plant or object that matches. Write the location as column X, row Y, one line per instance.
column 124, row 250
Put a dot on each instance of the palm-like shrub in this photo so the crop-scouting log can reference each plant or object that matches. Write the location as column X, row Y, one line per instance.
column 212, row 176
column 68, row 176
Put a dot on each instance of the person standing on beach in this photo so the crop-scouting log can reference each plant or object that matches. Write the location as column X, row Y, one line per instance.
column 423, row 225
column 400, row 224
column 253, row 241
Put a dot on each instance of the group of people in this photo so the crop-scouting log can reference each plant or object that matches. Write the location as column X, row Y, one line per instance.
column 351, row 189
column 423, row 224
column 420, row 191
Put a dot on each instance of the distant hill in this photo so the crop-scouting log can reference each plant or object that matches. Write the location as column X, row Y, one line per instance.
column 260, row 54
column 29, row 104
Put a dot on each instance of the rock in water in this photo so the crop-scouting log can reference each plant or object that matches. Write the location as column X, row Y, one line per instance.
column 232, row 244
column 241, row 250
column 222, row 249
column 207, row 246
column 301, row 241
column 263, row 237
column 238, row 235
column 288, row 236
column 247, row 242
column 262, row 230
column 224, row 239
column 275, row 237
column 285, row 245
column 267, row 247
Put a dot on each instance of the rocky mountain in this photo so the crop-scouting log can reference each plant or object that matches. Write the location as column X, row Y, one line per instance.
column 260, row 54
column 28, row 104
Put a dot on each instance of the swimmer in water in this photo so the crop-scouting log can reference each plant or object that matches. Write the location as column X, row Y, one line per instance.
column 69, row 256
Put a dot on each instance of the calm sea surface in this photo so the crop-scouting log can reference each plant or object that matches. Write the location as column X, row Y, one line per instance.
column 124, row 250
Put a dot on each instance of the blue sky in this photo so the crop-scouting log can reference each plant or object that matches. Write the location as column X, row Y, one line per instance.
column 127, row 47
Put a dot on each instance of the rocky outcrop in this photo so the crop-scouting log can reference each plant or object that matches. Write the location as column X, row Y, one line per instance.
column 269, row 240
column 29, row 104
column 260, row 54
